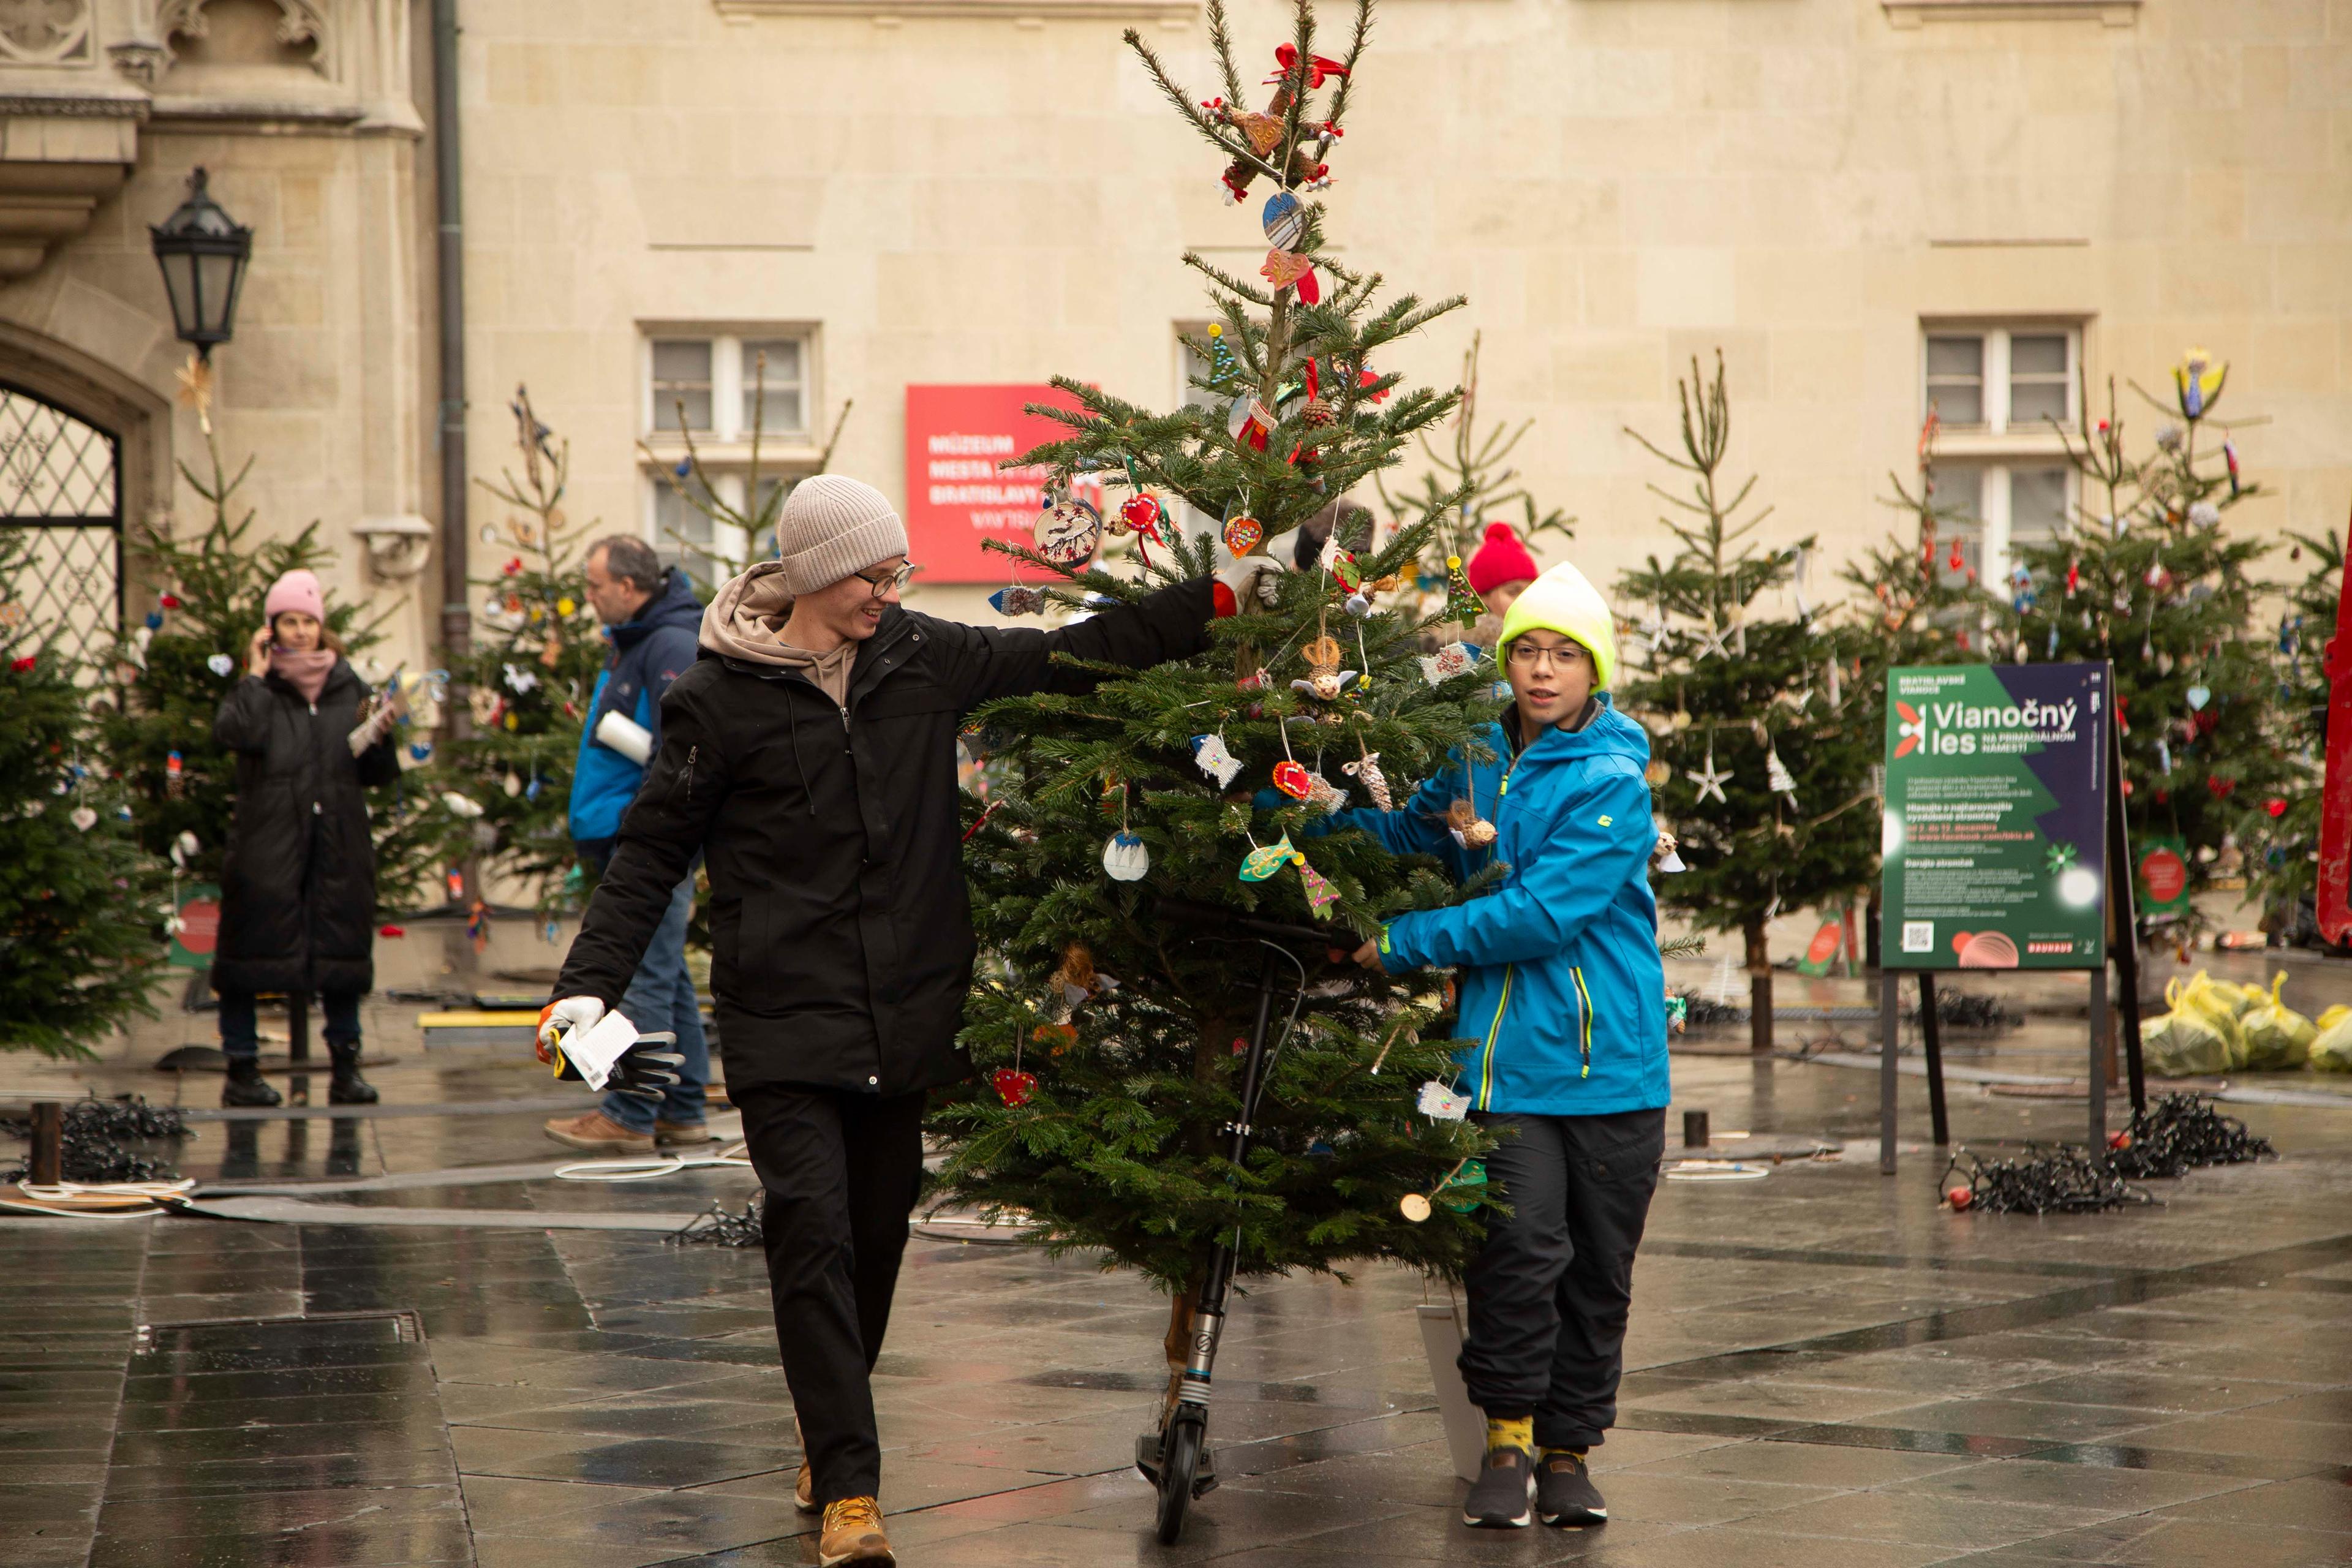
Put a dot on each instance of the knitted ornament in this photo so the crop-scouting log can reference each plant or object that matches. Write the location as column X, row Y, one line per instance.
column 1208, row 752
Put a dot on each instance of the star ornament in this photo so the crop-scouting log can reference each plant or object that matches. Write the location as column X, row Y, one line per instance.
column 1710, row 781
column 1711, row 641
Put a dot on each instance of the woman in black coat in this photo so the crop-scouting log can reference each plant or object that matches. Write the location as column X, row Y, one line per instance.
column 297, row 893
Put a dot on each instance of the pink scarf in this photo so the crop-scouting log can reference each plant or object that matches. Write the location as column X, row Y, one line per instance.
column 306, row 671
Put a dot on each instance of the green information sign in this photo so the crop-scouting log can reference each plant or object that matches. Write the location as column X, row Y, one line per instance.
column 1995, row 835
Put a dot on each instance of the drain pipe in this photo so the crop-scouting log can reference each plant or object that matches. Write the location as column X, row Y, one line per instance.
column 456, row 620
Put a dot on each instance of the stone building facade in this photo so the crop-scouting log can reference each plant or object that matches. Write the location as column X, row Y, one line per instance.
column 1858, row 201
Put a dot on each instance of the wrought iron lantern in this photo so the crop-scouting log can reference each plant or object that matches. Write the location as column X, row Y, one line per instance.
column 203, row 252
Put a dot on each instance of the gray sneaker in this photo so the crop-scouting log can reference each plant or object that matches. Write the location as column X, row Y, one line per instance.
column 1565, row 1493
column 1503, row 1495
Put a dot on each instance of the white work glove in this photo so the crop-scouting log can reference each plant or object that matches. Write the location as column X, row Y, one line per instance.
column 558, row 1019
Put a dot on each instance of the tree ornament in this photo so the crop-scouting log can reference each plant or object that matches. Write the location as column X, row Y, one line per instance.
column 1012, row 1085
column 1669, row 860
column 1263, row 862
column 1125, row 859
column 220, row 664
column 1210, row 754
column 1658, row 772
column 1321, row 894
column 1366, row 771
column 83, row 818
column 2198, row 382
column 1292, row 779
column 1452, row 659
column 1777, row 778
column 1462, row 601
column 2199, row 696
column 1018, row 599
column 176, row 777
column 2219, row 785
column 1709, row 781
column 2275, row 805
column 1142, row 514
column 1470, row 830
column 1068, row 530
column 1248, row 422
column 2229, row 457
column 1243, row 534
column 1321, row 792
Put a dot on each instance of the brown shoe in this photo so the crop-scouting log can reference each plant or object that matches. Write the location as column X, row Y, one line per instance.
column 675, row 1134
column 599, row 1133
column 804, row 1484
column 853, row 1533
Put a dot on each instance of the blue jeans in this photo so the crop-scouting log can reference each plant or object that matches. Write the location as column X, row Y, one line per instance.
column 240, row 1036
column 661, row 997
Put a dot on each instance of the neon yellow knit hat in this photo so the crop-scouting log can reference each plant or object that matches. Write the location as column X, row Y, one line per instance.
column 1562, row 600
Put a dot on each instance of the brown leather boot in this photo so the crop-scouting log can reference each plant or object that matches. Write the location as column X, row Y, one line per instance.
column 853, row 1533
column 599, row 1134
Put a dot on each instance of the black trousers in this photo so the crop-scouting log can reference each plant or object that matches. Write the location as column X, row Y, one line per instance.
column 841, row 1172
column 1550, row 1292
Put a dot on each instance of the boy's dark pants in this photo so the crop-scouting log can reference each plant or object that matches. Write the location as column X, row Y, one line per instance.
column 1550, row 1292
column 840, row 1172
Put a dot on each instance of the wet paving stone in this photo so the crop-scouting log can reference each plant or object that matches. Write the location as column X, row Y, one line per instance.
column 1825, row 1368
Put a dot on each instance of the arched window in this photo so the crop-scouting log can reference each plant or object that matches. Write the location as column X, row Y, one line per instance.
column 62, row 492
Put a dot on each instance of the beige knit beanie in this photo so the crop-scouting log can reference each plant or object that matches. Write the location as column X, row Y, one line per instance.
column 832, row 526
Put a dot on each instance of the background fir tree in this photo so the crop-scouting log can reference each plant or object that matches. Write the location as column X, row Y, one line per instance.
column 1467, row 484
column 2150, row 577
column 1925, row 605
column 1760, row 762
column 2283, row 856
column 169, row 677
column 738, row 535
column 536, row 652
column 1125, row 1022
column 81, row 905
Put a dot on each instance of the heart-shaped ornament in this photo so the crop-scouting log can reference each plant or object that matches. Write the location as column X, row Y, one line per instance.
column 1243, row 534
column 1012, row 1085
column 2199, row 696
column 1293, row 780
column 220, row 664
column 84, row 819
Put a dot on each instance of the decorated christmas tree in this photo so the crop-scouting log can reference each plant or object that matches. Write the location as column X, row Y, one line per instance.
column 1925, row 605
column 536, row 651
column 1106, row 1030
column 155, row 714
column 81, row 905
column 2150, row 577
column 1468, row 485
column 1761, row 756
column 2283, row 851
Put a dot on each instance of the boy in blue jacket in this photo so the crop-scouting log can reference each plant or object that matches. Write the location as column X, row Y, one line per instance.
column 1563, row 998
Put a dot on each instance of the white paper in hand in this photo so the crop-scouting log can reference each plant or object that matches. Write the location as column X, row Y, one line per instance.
column 595, row 1051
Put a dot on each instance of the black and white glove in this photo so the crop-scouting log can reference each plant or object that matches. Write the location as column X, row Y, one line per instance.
column 611, row 1055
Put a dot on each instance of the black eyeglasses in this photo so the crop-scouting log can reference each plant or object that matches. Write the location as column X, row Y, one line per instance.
column 887, row 580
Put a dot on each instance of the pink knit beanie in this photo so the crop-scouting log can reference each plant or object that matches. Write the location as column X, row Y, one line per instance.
column 298, row 590
column 1502, row 559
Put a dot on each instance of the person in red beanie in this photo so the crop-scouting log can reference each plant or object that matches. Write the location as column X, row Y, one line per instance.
column 1500, row 573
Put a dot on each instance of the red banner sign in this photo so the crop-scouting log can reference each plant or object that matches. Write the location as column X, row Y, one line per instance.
column 957, row 496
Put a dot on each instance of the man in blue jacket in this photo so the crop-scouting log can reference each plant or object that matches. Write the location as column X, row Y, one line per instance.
column 652, row 619
column 1563, row 1000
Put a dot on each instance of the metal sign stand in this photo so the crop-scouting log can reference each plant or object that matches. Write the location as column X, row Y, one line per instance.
column 2122, row 949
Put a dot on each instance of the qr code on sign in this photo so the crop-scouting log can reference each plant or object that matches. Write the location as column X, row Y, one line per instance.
column 1919, row 936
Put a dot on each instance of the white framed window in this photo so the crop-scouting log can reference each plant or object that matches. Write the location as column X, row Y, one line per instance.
column 2000, row 379
column 1997, row 390
column 717, row 387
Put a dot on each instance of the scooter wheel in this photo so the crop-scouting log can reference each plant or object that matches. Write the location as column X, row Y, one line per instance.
column 1179, row 1457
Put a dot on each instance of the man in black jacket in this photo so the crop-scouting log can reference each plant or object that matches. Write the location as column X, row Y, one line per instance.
column 809, row 753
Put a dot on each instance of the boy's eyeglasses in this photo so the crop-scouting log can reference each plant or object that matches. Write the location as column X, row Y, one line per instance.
column 883, row 583
column 1526, row 656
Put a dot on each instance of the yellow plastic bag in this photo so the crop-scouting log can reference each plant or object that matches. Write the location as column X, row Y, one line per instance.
column 2237, row 1000
column 2331, row 1050
column 2277, row 1037
column 2199, row 1037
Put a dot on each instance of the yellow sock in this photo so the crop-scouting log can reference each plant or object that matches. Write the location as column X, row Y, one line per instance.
column 1519, row 1433
column 1549, row 1451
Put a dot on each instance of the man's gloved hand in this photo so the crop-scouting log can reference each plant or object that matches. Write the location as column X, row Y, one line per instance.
column 614, row 1057
column 1247, row 582
column 560, row 1018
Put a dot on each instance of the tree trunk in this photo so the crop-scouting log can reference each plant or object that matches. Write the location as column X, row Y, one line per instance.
column 1759, row 989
